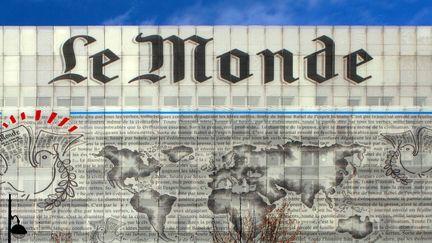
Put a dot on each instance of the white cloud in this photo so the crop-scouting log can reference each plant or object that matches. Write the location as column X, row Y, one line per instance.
column 127, row 18
column 421, row 16
column 225, row 12
column 261, row 13
column 148, row 22
column 119, row 19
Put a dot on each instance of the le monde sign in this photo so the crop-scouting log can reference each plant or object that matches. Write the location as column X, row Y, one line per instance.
column 324, row 58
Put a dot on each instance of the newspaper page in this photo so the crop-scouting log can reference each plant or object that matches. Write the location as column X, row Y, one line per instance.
column 216, row 134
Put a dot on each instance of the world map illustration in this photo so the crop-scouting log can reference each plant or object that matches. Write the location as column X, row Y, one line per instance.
column 244, row 175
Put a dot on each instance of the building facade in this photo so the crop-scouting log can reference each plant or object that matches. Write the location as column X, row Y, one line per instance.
column 185, row 133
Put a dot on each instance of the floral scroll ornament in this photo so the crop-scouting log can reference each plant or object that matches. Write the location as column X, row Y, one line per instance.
column 391, row 169
column 65, row 187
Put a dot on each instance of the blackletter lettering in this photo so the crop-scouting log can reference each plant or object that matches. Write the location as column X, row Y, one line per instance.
column 99, row 64
column 352, row 64
column 329, row 61
column 225, row 66
column 157, row 57
column 179, row 57
column 70, row 60
column 287, row 65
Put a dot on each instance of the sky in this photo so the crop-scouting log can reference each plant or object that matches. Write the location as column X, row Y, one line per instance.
column 216, row 12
